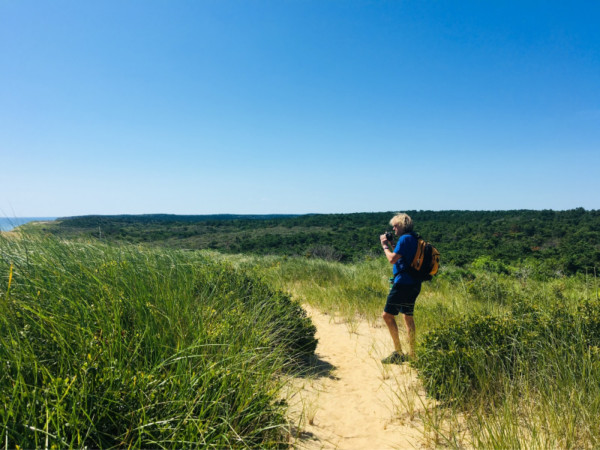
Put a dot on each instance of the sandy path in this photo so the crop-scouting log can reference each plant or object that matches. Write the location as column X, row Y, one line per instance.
column 353, row 401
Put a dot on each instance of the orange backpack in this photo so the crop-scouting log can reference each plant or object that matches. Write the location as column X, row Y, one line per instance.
column 426, row 262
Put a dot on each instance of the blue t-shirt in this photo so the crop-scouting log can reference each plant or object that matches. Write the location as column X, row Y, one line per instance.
column 406, row 247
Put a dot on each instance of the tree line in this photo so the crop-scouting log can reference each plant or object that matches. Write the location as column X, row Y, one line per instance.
column 561, row 242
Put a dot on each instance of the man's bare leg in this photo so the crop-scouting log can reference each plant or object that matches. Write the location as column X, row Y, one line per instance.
column 390, row 321
column 409, row 321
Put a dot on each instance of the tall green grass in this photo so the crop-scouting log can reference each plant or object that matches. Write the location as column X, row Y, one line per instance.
column 104, row 346
column 349, row 291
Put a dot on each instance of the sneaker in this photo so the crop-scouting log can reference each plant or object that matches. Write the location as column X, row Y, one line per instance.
column 395, row 358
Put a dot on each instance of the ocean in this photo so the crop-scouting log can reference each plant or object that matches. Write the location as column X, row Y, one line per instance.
column 7, row 224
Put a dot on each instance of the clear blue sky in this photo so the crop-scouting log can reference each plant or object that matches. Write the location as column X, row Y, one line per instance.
column 227, row 106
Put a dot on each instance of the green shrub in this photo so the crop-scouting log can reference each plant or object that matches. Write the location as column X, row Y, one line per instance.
column 492, row 288
column 489, row 265
column 473, row 355
column 454, row 358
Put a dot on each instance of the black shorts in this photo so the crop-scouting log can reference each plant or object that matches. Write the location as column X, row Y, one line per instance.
column 401, row 299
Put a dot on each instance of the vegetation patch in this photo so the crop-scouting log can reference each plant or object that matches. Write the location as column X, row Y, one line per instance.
column 508, row 333
column 108, row 346
column 530, row 365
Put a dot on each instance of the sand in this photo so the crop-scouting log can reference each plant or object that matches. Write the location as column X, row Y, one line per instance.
column 352, row 400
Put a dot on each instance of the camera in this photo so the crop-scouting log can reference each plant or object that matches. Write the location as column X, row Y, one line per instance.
column 389, row 236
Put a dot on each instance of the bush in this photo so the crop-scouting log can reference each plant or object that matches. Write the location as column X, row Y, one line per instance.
column 491, row 288
column 487, row 264
column 472, row 356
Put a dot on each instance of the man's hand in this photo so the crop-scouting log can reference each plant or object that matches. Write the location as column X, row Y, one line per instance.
column 384, row 240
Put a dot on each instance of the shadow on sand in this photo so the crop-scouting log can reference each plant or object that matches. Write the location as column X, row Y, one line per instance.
column 302, row 435
column 315, row 367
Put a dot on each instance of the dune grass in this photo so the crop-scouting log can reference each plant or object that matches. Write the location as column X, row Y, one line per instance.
column 104, row 346
column 107, row 346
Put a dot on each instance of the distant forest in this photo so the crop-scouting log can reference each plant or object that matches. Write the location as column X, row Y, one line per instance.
column 559, row 242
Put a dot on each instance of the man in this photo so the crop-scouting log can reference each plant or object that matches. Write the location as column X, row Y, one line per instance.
column 405, row 289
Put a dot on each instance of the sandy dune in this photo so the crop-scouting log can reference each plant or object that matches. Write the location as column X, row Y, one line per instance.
column 352, row 401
